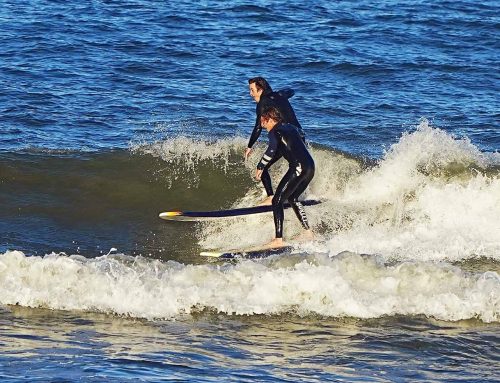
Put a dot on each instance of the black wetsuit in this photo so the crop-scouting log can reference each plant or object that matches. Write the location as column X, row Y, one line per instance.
column 280, row 101
column 285, row 139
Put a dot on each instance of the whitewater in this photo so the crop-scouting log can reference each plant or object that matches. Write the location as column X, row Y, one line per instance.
column 416, row 233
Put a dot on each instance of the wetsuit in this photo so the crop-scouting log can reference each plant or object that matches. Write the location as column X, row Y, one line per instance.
column 285, row 139
column 280, row 101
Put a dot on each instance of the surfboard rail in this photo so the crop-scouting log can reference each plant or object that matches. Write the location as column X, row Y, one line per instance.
column 179, row 215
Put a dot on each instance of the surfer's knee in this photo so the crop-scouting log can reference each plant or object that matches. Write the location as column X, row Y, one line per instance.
column 278, row 199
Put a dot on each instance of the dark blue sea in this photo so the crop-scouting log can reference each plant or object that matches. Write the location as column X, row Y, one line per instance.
column 114, row 111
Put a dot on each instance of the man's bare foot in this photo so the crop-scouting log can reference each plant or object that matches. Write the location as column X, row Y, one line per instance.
column 305, row 236
column 276, row 242
column 268, row 201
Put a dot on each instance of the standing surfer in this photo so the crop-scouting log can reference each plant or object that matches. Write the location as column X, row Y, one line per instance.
column 287, row 141
column 262, row 93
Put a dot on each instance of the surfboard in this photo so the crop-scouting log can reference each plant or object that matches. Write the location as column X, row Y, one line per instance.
column 247, row 254
column 205, row 215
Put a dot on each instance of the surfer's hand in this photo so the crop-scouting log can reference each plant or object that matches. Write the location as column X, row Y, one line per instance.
column 247, row 153
column 258, row 174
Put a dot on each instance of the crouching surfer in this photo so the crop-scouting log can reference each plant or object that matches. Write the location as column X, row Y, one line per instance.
column 286, row 140
column 262, row 93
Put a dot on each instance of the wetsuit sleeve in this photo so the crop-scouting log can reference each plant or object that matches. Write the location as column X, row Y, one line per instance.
column 270, row 152
column 264, row 103
column 286, row 93
column 256, row 130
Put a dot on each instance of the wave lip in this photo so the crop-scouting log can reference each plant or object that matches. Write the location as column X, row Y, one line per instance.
column 346, row 285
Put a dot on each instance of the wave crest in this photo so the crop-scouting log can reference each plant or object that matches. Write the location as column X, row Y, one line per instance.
column 346, row 285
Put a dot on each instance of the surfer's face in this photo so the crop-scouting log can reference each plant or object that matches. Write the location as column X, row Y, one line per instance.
column 267, row 124
column 255, row 92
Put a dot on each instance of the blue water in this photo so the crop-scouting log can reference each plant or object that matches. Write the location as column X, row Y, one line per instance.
column 98, row 74
column 113, row 111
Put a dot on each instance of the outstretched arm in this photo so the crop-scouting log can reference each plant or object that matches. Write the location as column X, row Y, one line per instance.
column 257, row 129
column 255, row 133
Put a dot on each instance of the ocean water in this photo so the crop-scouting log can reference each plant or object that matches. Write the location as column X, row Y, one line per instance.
column 112, row 112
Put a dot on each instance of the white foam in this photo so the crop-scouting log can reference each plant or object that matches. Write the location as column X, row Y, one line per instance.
column 189, row 152
column 182, row 156
column 421, row 201
column 429, row 198
column 409, row 207
column 340, row 286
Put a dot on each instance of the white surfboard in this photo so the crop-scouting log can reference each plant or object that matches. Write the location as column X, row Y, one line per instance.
column 252, row 253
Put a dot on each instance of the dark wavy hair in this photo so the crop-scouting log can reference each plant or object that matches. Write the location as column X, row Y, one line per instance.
column 261, row 83
column 272, row 113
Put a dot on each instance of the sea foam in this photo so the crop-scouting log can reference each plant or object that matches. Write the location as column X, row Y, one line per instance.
column 431, row 197
column 342, row 285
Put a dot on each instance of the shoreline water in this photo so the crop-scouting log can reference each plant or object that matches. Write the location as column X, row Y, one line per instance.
column 94, row 347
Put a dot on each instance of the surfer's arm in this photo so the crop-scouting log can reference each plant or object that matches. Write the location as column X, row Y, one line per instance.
column 256, row 132
column 270, row 152
column 264, row 103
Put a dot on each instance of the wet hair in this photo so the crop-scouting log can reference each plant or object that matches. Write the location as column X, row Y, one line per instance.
column 272, row 113
column 261, row 83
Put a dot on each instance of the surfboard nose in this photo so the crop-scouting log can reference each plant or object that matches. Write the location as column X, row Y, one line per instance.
column 168, row 214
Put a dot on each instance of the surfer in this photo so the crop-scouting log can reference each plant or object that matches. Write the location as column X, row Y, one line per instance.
column 262, row 93
column 285, row 140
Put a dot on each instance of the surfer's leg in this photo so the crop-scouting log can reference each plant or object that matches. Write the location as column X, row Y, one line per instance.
column 266, row 181
column 279, row 199
column 291, row 186
column 299, row 212
column 266, row 177
column 302, row 182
